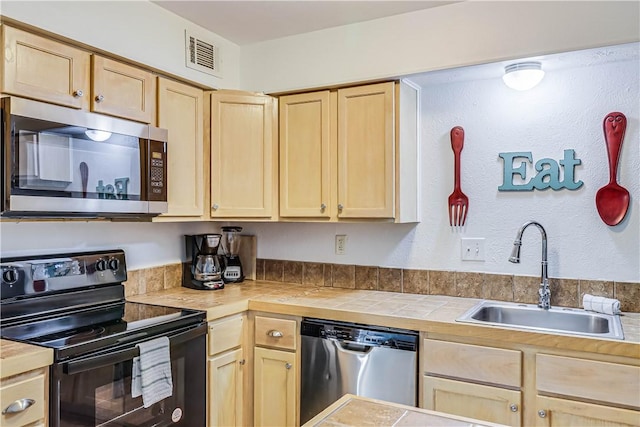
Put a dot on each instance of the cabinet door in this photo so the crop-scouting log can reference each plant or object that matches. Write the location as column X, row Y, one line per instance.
column 366, row 150
column 226, row 389
column 243, row 159
column 122, row 90
column 29, row 385
column 305, row 169
column 43, row 69
column 481, row 402
column 275, row 388
column 554, row 412
column 180, row 111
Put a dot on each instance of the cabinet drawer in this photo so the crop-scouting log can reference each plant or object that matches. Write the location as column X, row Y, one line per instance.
column 279, row 333
column 225, row 334
column 29, row 388
column 474, row 363
column 588, row 379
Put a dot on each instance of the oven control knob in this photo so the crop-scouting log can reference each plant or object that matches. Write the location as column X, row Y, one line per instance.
column 114, row 264
column 10, row 276
column 101, row 265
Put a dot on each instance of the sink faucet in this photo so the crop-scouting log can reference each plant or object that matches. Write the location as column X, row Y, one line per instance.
column 544, row 293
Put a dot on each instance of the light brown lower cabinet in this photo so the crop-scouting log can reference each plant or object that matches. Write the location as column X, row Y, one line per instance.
column 26, row 387
column 275, row 399
column 494, row 404
column 524, row 385
column 226, row 391
column 229, row 369
column 563, row 412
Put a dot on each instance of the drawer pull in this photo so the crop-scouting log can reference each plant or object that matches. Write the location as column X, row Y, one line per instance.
column 513, row 407
column 542, row 413
column 18, row 406
column 242, row 362
column 287, row 365
column 78, row 93
column 274, row 334
column 99, row 98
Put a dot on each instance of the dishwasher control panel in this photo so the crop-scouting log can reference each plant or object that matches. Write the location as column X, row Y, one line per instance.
column 361, row 334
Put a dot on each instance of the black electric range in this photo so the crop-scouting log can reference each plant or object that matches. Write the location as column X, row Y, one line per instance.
column 74, row 304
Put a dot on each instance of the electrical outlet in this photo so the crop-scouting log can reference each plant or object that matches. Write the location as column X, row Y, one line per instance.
column 472, row 249
column 341, row 244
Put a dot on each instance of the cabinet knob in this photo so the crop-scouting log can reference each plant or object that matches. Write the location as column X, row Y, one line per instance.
column 99, row 98
column 215, row 206
column 18, row 406
column 542, row 413
column 323, row 207
column 287, row 365
column 340, row 206
column 274, row 334
column 78, row 93
column 242, row 362
column 513, row 407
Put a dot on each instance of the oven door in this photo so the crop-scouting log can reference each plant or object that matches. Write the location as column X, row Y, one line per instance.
column 95, row 390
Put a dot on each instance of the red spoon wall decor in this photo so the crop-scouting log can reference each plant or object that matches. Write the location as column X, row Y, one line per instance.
column 612, row 200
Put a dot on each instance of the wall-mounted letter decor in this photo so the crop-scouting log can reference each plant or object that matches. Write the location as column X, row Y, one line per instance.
column 548, row 175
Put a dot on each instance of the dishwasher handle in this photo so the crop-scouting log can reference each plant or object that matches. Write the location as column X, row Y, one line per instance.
column 352, row 346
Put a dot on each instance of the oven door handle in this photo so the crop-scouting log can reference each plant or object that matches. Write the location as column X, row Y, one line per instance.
column 106, row 359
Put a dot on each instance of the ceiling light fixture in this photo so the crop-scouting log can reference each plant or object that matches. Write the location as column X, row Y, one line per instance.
column 97, row 135
column 523, row 75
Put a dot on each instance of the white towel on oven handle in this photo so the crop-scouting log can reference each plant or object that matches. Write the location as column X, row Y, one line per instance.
column 151, row 372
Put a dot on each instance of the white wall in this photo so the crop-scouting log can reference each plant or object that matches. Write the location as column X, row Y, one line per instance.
column 138, row 30
column 145, row 244
column 565, row 111
column 470, row 32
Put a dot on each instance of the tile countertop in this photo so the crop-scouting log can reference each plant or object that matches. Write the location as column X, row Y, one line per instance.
column 16, row 358
column 431, row 313
column 356, row 411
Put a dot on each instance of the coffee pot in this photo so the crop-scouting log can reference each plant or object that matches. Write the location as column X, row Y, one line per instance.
column 206, row 266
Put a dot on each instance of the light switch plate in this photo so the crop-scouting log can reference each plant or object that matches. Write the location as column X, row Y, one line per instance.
column 472, row 249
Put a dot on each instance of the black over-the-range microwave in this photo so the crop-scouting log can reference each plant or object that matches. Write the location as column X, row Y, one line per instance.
column 62, row 162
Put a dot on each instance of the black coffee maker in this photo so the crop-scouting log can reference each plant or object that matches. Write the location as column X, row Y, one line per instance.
column 204, row 267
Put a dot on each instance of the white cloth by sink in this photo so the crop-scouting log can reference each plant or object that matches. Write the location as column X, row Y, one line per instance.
column 601, row 304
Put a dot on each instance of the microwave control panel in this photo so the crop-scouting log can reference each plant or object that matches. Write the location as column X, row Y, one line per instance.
column 157, row 188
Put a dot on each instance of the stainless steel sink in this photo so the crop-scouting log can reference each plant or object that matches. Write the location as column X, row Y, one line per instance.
column 526, row 316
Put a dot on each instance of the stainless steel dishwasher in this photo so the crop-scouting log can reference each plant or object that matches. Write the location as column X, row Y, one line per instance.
column 370, row 361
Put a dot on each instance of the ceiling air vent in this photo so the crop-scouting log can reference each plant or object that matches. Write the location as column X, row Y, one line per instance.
column 202, row 55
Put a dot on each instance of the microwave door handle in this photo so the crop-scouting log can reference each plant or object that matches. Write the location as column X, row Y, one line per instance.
column 85, row 364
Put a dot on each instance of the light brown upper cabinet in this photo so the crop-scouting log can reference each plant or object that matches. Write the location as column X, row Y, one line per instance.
column 50, row 71
column 350, row 154
column 122, row 90
column 46, row 70
column 244, row 156
column 366, row 154
column 181, row 112
column 306, row 148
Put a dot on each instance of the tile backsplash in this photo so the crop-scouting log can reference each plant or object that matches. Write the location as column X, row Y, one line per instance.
column 502, row 287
